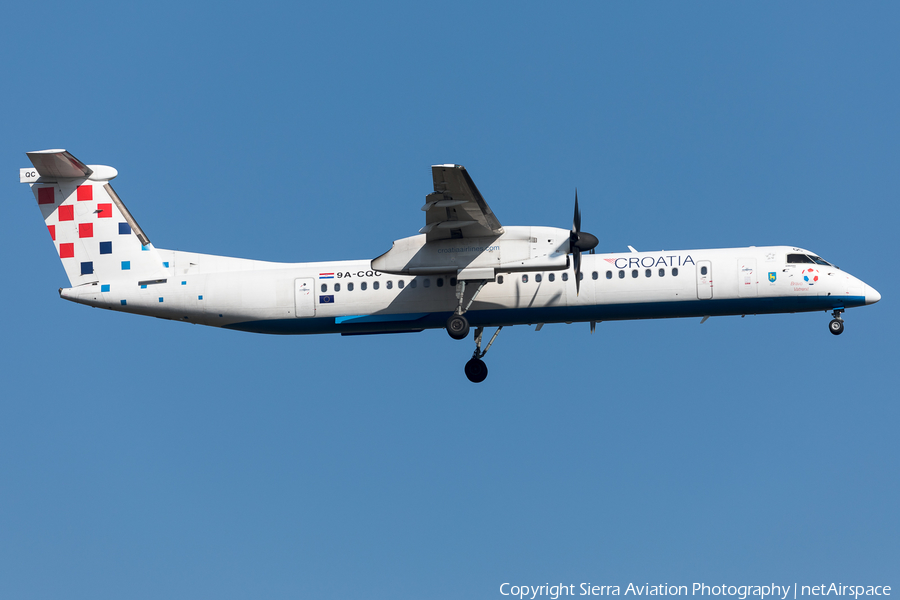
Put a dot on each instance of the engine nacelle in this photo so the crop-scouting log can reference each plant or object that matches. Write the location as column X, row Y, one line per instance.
column 517, row 249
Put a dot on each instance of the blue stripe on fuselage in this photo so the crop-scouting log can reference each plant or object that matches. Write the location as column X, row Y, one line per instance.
column 387, row 322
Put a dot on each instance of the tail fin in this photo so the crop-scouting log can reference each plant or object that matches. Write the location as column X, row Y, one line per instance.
column 97, row 239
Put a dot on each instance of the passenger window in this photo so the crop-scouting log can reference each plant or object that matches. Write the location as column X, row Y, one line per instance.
column 400, row 284
column 525, row 278
column 703, row 270
column 374, row 285
column 551, row 277
column 647, row 273
column 595, row 275
column 609, row 274
column 537, row 278
column 634, row 273
column 621, row 274
column 350, row 287
column 426, row 282
column 363, row 286
column 324, row 287
column 453, row 281
column 440, row 281
column 414, row 283
column 674, row 271
column 390, row 284
column 580, row 276
column 500, row 279
column 337, row 287
column 662, row 272
column 565, row 276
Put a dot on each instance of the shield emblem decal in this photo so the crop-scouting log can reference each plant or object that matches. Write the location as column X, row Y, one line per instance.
column 772, row 276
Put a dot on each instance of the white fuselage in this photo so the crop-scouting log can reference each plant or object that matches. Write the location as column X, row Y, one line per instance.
column 350, row 297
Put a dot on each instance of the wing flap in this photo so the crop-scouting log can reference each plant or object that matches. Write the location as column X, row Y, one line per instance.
column 456, row 209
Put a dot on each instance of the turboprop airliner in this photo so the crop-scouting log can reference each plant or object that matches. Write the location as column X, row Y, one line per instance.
column 463, row 269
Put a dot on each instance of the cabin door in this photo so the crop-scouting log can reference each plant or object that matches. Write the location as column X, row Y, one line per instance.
column 304, row 297
column 704, row 280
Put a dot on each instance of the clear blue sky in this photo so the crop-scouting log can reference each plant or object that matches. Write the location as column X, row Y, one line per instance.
column 142, row 458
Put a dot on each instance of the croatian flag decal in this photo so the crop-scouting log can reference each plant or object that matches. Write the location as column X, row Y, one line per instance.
column 326, row 275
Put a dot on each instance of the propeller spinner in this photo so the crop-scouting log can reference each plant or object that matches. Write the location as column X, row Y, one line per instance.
column 579, row 241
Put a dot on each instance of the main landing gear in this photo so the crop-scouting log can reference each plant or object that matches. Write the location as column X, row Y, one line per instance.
column 458, row 328
column 836, row 326
column 457, row 324
column 476, row 370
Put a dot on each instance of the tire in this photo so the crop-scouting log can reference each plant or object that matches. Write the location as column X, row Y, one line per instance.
column 458, row 327
column 836, row 326
column 476, row 370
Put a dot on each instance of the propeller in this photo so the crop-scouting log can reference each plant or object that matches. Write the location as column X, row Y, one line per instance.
column 579, row 241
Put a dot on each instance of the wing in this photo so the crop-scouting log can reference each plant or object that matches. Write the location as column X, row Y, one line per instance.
column 456, row 209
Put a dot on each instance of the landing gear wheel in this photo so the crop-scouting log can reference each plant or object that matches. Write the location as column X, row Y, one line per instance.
column 458, row 327
column 836, row 326
column 476, row 370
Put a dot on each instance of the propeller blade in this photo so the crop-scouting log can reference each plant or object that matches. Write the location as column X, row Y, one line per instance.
column 576, row 221
column 576, row 255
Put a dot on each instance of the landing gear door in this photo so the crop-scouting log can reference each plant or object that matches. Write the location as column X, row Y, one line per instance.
column 747, row 278
column 304, row 297
column 704, row 280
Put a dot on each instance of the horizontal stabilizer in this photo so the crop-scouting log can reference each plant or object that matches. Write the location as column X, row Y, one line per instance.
column 57, row 164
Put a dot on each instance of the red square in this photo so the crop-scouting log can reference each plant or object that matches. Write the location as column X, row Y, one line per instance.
column 66, row 250
column 104, row 211
column 85, row 192
column 85, row 230
column 46, row 195
column 52, row 229
column 66, row 213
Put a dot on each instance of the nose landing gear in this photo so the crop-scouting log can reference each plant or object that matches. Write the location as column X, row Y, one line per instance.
column 476, row 370
column 836, row 326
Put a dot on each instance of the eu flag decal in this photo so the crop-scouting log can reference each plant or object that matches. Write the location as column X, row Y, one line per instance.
column 329, row 299
column 772, row 276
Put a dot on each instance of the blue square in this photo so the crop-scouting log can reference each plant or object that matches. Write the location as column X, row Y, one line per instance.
column 144, row 287
column 160, row 299
column 126, row 265
column 124, row 228
column 184, row 283
column 165, row 265
column 105, row 247
column 144, row 248
column 104, row 288
column 87, row 268
column 123, row 302
column 199, row 297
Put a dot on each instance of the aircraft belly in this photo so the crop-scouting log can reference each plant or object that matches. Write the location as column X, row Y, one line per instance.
column 417, row 321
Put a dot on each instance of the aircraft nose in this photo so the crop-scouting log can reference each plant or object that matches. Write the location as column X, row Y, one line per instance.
column 872, row 295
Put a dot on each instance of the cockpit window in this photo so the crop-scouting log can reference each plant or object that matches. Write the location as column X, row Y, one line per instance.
column 807, row 259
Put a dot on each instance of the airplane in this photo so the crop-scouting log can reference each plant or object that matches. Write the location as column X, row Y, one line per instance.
column 462, row 269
